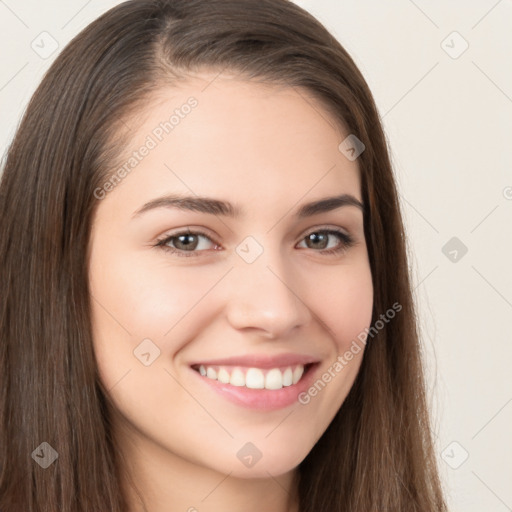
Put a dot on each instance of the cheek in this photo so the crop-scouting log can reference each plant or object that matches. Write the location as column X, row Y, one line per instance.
column 135, row 295
column 133, row 301
column 344, row 306
column 345, row 303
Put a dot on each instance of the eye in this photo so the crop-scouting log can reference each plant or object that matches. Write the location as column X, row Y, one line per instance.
column 191, row 242
column 320, row 239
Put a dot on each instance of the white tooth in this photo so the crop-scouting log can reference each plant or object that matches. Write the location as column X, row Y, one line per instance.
column 254, row 379
column 202, row 370
column 288, row 377
column 223, row 376
column 237, row 378
column 211, row 373
column 274, row 379
column 297, row 373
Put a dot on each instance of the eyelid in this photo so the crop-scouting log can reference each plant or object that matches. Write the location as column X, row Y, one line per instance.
column 326, row 227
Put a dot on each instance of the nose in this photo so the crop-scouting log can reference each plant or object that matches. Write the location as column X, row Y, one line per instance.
column 263, row 297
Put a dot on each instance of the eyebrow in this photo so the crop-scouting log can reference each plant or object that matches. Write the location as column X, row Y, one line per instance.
column 224, row 208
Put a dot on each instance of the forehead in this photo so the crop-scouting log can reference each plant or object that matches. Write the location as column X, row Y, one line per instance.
column 223, row 136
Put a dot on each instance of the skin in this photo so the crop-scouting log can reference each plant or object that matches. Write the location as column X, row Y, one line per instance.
column 268, row 150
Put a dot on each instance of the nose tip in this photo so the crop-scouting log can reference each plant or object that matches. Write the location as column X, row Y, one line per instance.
column 263, row 300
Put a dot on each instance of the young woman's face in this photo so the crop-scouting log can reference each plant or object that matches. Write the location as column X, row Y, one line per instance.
column 260, row 288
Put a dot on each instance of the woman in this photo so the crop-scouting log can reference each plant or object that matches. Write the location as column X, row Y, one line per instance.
column 205, row 296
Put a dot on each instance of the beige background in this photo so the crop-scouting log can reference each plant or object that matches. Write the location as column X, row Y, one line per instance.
column 447, row 112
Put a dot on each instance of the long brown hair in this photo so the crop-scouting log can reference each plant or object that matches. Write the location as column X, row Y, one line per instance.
column 377, row 454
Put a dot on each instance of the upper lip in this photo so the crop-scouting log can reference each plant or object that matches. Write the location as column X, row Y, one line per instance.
column 260, row 361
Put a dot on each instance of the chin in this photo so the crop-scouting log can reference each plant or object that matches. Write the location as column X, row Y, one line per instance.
column 273, row 464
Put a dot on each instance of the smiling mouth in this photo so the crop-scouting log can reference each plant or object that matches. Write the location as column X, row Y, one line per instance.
column 255, row 378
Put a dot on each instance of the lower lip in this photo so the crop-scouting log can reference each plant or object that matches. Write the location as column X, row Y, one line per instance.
column 262, row 399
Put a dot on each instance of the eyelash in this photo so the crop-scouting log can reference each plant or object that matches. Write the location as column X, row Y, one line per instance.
column 346, row 242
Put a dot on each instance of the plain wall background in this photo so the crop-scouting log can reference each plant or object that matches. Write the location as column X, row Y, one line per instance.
column 447, row 113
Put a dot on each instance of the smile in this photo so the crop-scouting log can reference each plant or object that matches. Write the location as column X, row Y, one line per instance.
column 253, row 378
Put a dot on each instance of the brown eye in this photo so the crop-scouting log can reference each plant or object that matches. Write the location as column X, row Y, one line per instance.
column 187, row 243
column 317, row 240
column 320, row 240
